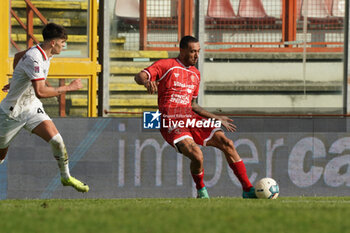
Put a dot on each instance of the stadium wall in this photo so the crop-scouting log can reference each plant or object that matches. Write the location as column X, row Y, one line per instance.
column 119, row 159
column 273, row 85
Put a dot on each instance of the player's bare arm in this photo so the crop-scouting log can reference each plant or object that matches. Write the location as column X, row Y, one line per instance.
column 47, row 83
column 142, row 79
column 225, row 121
column 18, row 57
column 44, row 91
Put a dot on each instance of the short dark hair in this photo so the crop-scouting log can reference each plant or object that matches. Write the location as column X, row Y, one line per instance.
column 54, row 31
column 186, row 40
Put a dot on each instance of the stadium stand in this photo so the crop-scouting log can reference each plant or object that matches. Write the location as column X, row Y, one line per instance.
column 222, row 17
column 319, row 19
column 222, row 13
column 125, row 94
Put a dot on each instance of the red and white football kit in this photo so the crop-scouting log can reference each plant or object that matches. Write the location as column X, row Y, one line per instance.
column 177, row 86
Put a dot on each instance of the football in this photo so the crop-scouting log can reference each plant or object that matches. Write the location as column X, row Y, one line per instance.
column 267, row 188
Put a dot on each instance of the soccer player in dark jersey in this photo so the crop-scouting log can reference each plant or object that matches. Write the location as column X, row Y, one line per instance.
column 177, row 82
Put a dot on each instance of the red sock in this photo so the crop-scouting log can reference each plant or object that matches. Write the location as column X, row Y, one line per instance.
column 198, row 179
column 241, row 173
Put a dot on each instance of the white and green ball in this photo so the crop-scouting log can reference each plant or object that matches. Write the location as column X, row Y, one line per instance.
column 267, row 188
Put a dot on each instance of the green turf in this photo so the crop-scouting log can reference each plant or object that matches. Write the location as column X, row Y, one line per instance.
column 217, row 215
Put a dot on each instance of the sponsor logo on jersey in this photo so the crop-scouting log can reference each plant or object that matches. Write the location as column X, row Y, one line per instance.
column 193, row 79
column 36, row 69
column 183, row 85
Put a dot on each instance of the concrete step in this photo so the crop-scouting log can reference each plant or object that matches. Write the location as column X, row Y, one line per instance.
column 122, row 79
column 113, row 111
column 273, row 86
column 66, row 22
column 117, row 83
column 138, row 54
column 20, row 37
column 129, row 112
column 122, row 101
column 127, row 87
column 64, row 5
column 126, row 67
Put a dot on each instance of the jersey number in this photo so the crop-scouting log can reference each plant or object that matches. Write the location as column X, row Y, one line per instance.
column 40, row 111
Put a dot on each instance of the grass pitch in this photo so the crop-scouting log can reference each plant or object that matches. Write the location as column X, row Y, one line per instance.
column 217, row 215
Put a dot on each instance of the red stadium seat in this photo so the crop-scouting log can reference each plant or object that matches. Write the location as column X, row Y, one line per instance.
column 328, row 4
column 220, row 9
column 221, row 14
column 299, row 2
column 253, row 11
column 220, row 17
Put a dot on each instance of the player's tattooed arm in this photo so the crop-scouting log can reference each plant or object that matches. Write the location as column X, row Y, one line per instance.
column 201, row 111
column 225, row 121
column 142, row 79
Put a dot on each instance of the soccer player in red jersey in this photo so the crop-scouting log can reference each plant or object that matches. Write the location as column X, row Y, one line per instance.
column 177, row 82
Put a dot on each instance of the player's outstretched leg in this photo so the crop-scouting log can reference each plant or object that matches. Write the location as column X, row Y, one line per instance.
column 220, row 141
column 240, row 171
column 60, row 154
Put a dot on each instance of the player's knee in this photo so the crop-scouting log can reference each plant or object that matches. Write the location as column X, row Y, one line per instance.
column 196, row 154
column 56, row 141
column 193, row 150
column 227, row 144
column 57, row 144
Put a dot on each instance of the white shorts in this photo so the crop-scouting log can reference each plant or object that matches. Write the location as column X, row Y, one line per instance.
column 9, row 127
